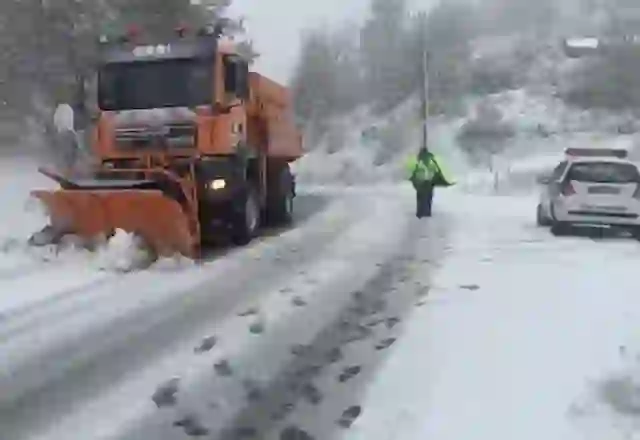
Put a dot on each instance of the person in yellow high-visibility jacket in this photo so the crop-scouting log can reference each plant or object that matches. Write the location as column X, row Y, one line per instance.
column 425, row 173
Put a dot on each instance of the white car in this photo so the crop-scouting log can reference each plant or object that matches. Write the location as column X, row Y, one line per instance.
column 592, row 189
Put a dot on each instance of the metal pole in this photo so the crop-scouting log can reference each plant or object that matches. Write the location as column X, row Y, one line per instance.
column 424, row 116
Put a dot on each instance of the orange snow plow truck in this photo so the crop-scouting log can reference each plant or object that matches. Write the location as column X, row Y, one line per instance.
column 188, row 143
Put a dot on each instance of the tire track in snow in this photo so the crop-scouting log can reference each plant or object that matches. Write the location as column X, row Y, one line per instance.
column 388, row 294
column 65, row 374
column 9, row 274
column 297, row 346
column 36, row 313
column 29, row 268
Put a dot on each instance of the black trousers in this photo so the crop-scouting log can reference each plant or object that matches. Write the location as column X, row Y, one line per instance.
column 424, row 199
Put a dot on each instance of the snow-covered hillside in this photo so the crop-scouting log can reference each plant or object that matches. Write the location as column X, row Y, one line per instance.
column 360, row 148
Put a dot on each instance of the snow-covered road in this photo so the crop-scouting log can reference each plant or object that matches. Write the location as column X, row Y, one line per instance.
column 522, row 336
column 83, row 349
column 472, row 324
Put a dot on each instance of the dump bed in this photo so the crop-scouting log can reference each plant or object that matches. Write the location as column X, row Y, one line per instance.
column 271, row 119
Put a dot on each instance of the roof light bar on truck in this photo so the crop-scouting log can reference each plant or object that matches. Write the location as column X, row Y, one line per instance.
column 619, row 153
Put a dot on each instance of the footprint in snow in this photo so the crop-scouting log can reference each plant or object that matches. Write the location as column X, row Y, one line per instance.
column 308, row 371
column 311, row 393
column 257, row 327
column 392, row 322
column 357, row 333
column 300, row 349
column 253, row 389
column 375, row 322
column 223, row 368
column 359, row 310
column 349, row 373
column 335, row 355
column 299, row 301
column 378, row 305
column 245, row 432
column 294, row 433
column 282, row 412
column 192, row 426
column 165, row 394
column 349, row 416
column 206, row 345
column 251, row 311
column 386, row 343
column 422, row 291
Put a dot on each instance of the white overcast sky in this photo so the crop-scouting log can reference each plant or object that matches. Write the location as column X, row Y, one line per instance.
column 275, row 27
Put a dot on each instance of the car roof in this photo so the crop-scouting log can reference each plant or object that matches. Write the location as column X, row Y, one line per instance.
column 587, row 159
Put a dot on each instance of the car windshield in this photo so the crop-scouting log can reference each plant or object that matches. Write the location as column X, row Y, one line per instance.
column 154, row 84
column 604, row 172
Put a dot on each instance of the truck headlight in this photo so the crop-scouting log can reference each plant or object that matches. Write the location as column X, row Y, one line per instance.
column 217, row 184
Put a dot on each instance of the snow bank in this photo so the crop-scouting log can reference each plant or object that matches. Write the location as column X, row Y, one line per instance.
column 122, row 253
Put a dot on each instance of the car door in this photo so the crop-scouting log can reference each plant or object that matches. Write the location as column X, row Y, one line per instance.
column 552, row 187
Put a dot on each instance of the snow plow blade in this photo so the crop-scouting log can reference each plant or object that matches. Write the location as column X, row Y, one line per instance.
column 159, row 220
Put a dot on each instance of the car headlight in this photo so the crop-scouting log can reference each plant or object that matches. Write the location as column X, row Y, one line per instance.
column 217, row 184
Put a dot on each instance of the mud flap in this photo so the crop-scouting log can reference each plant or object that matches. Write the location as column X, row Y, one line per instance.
column 158, row 220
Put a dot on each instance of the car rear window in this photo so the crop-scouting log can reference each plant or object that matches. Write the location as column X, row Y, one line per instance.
column 604, row 172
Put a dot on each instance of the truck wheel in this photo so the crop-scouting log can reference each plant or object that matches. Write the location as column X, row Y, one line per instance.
column 281, row 211
column 247, row 221
column 280, row 201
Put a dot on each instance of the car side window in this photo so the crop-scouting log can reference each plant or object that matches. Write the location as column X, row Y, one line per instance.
column 558, row 171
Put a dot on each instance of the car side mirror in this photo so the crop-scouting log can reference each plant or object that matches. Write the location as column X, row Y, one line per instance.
column 543, row 179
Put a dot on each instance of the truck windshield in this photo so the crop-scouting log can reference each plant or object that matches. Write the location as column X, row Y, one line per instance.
column 155, row 84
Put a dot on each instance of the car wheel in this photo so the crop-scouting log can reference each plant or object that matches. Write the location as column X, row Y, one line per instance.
column 560, row 229
column 541, row 220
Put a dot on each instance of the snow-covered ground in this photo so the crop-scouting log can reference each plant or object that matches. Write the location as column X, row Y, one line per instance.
column 521, row 335
column 519, row 338
column 82, row 347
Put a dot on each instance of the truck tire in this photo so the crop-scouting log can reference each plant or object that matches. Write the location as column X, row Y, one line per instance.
column 246, row 218
column 280, row 200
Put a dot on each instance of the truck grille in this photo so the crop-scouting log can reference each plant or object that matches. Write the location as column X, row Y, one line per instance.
column 165, row 137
